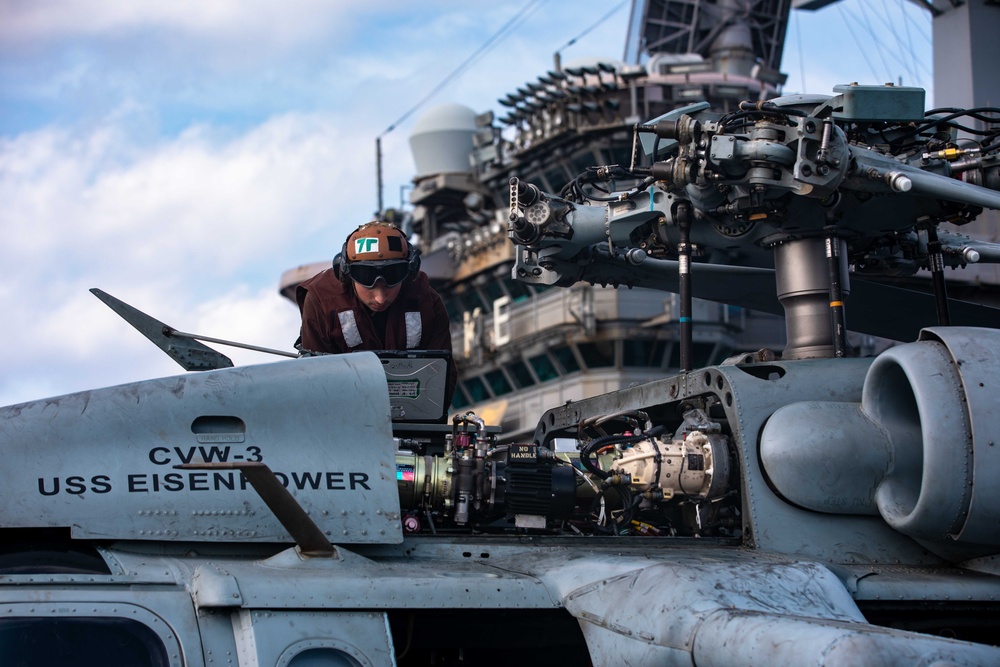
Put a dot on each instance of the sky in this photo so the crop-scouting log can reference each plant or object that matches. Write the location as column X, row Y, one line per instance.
column 182, row 155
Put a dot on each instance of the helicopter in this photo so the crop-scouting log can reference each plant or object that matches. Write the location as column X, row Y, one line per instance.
column 801, row 506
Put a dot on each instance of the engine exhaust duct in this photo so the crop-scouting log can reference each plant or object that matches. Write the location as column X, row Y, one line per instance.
column 909, row 450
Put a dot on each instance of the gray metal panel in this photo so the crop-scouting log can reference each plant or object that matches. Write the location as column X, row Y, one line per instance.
column 108, row 456
column 350, row 581
column 975, row 353
column 898, row 582
column 341, row 638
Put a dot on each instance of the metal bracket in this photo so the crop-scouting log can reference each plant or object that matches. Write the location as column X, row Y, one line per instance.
column 186, row 351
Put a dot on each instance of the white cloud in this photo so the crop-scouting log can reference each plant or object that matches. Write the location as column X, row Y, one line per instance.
column 215, row 202
column 266, row 21
column 261, row 318
column 197, row 225
column 81, row 344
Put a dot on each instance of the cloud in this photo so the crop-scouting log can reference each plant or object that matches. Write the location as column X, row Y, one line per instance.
column 203, row 197
column 268, row 22
column 73, row 64
column 261, row 318
column 200, row 223
column 81, row 344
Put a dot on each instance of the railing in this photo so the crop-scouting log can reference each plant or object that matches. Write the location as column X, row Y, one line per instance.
column 582, row 307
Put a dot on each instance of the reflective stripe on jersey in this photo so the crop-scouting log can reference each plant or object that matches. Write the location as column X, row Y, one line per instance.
column 413, row 329
column 349, row 327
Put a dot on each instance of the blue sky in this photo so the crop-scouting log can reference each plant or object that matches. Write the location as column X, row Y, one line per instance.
column 181, row 155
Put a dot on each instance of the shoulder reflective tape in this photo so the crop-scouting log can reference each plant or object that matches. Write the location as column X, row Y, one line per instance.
column 413, row 329
column 349, row 327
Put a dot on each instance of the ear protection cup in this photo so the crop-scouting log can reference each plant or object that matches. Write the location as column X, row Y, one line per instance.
column 340, row 267
column 414, row 262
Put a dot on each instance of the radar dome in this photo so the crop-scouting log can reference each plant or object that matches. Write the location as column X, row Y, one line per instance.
column 441, row 140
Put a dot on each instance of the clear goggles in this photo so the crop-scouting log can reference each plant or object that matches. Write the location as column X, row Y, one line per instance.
column 391, row 273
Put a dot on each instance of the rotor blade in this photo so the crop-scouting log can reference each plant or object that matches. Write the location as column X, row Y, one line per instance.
column 748, row 287
column 910, row 312
column 754, row 289
column 186, row 351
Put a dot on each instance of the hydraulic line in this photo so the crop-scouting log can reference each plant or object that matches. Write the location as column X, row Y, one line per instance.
column 614, row 439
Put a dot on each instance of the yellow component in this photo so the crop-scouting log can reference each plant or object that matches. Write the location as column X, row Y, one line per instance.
column 645, row 528
column 947, row 154
column 834, row 304
column 758, row 216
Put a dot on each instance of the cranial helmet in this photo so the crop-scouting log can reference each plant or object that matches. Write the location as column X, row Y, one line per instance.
column 374, row 241
column 377, row 250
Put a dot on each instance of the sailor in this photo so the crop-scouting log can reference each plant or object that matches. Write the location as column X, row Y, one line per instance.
column 374, row 297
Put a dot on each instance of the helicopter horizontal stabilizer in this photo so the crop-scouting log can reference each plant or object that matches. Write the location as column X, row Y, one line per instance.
column 186, row 351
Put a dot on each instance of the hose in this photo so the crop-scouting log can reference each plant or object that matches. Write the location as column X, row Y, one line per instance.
column 593, row 446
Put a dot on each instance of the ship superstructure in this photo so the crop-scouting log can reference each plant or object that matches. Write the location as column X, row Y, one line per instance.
column 521, row 347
